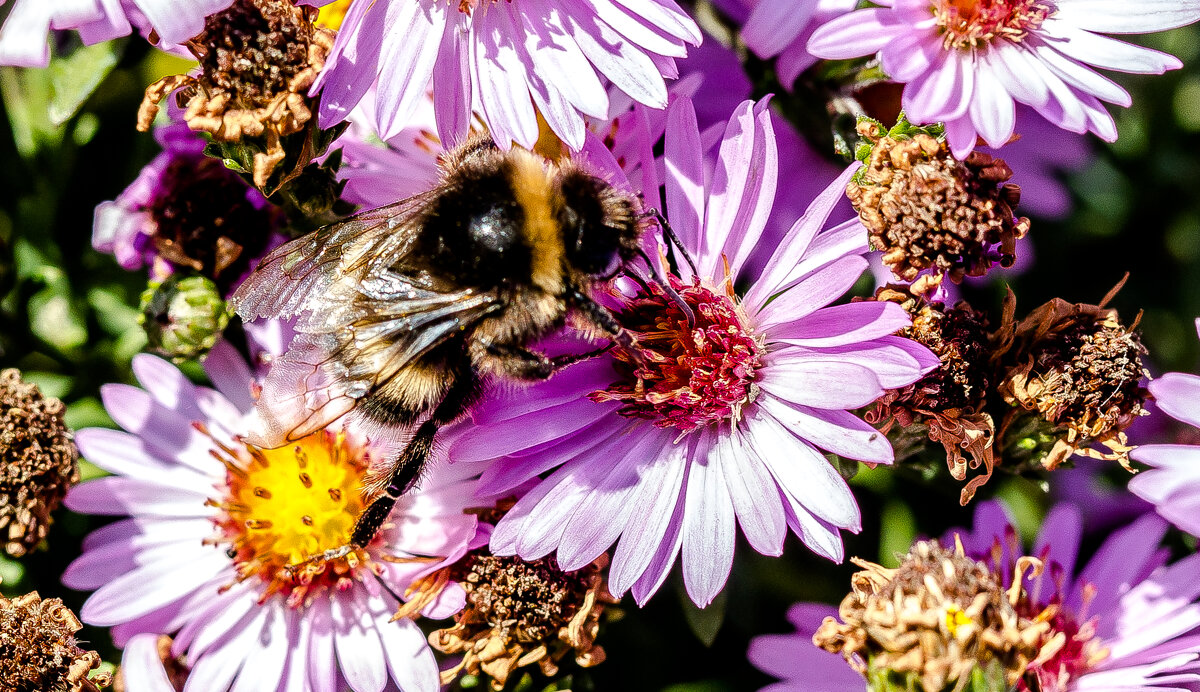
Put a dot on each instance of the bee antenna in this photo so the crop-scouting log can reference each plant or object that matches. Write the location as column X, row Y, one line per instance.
column 665, row 282
column 669, row 234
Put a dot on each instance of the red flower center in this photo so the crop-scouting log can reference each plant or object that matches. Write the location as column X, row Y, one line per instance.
column 681, row 374
column 966, row 24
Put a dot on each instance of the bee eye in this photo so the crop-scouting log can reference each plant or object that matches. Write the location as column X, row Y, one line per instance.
column 591, row 242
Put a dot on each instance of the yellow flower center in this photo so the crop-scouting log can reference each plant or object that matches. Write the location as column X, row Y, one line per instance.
column 283, row 506
column 331, row 15
column 955, row 618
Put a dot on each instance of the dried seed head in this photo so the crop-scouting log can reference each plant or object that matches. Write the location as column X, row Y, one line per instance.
column 39, row 462
column 948, row 403
column 258, row 59
column 520, row 613
column 1080, row 369
column 933, row 621
column 927, row 210
column 38, row 650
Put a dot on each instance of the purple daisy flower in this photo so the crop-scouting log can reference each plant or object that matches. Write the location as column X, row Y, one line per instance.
column 1172, row 484
column 509, row 61
column 782, row 28
column 23, row 38
column 1129, row 620
column 213, row 523
column 715, row 423
column 968, row 62
column 186, row 209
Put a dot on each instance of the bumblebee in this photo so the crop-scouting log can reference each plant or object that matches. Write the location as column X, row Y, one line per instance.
column 406, row 311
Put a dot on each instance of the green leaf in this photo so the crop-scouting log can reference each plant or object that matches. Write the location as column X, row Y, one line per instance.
column 74, row 77
column 27, row 94
column 899, row 529
column 705, row 623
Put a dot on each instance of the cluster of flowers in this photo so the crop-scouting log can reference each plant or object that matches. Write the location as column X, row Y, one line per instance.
column 753, row 391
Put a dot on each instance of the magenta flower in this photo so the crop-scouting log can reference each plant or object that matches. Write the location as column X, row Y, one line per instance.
column 23, row 38
column 782, row 28
column 967, row 64
column 800, row 665
column 721, row 423
column 508, row 60
column 1130, row 620
column 186, row 210
column 1172, row 484
column 212, row 523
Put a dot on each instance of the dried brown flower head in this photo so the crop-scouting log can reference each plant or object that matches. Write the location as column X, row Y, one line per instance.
column 177, row 672
column 946, row 405
column 257, row 61
column 1080, row 368
column 519, row 614
column 38, row 462
column 925, row 209
column 38, row 650
column 933, row 621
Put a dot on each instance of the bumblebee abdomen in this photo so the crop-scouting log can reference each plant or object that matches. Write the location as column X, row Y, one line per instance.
column 415, row 389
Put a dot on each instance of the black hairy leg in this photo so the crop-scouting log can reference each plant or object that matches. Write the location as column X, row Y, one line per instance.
column 522, row 363
column 407, row 468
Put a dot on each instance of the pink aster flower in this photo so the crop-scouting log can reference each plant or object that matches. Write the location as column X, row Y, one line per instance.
column 1130, row 620
column 213, row 523
column 507, row 60
column 716, row 423
column 1172, row 484
column 782, row 28
column 23, row 38
column 967, row 63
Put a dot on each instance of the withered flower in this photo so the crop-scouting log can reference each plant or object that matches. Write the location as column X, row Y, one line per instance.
column 927, row 210
column 517, row 614
column 934, row 620
column 38, row 650
column 257, row 61
column 948, row 404
column 38, row 462
column 1079, row 368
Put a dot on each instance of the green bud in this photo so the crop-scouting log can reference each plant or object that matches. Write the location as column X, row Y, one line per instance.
column 183, row 316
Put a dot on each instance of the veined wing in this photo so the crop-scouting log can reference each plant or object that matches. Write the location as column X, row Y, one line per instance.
column 298, row 276
column 360, row 319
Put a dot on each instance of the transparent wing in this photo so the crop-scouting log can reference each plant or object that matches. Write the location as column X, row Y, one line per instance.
column 364, row 309
column 297, row 276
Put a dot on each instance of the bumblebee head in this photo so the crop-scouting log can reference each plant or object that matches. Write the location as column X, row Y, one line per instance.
column 599, row 224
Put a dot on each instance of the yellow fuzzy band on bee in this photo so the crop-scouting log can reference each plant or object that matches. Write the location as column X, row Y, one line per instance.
column 532, row 183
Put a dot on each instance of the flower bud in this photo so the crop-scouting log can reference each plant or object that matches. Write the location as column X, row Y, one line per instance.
column 183, row 316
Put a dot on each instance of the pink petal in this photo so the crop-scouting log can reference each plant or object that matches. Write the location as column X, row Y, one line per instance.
column 840, row 432
column 753, row 492
column 708, row 528
column 657, row 508
column 684, row 162
column 839, row 325
column 855, row 34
